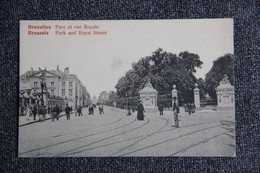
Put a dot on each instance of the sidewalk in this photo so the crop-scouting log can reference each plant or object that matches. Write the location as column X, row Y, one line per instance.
column 25, row 120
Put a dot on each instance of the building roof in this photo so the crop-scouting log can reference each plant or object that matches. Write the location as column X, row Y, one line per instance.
column 54, row 72
column 148, row 88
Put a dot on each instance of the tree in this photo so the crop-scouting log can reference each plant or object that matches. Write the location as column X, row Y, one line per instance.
column 164, row 69
column 222, row 66
column 201, row 86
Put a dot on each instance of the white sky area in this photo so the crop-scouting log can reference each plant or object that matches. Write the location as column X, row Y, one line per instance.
column 100, row 60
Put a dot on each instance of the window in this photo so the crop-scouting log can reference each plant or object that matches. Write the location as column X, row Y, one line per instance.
column 63, row 84
column 52, row 92
column 70, row 84
column 35, row 84
column 52, row 84
column 70, row 92
column 63, row 92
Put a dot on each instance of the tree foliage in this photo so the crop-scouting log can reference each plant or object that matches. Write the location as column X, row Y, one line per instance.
column 222, row 66
column 165, row 70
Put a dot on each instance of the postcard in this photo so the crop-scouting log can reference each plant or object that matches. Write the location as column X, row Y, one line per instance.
column 126, row 88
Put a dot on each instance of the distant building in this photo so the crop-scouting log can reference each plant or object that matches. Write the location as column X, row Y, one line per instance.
column 58, row 83
column 104, row 97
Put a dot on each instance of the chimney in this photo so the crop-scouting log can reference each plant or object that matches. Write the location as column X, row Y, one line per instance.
column 66, row 71
column 31, row 70
column 58, row 68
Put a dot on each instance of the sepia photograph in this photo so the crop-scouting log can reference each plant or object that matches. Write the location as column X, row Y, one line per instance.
column 127, row 88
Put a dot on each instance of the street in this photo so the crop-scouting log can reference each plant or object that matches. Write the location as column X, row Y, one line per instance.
column 203, row 133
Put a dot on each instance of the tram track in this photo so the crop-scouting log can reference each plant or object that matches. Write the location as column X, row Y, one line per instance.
column 63, row 142
column 198, row 143
column 171, row 139
column 69, row 151
column 131, row 145
column 75, row 131
column 142, row 136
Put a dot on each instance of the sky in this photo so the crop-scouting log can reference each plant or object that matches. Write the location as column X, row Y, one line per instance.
column 100, row 60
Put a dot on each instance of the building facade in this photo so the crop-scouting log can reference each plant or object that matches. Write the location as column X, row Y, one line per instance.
column 104, row 97
column 58, row 83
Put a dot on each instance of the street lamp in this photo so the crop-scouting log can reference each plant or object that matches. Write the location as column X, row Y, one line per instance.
column 42, row 108
column 42, row 77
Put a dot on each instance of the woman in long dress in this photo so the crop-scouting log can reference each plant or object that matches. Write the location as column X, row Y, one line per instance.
column 140, row 111
column 29, row 112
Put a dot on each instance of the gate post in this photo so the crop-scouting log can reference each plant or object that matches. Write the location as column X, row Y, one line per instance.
column 197, row 97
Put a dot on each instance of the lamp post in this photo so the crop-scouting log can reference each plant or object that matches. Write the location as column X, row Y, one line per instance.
column 42, row 108
column 43, row 83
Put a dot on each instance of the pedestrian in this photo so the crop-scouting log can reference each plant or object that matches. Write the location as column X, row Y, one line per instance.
column 71, row 109
column 34, row 111
column 29, row 112
column 161, row 109
column 92, row 109
column 55, row 112
column 129, row 110
column 79, row 111
column 133, row 108
column 140, row 111
column 67, row 111
column 101, row 110
column 89, row 110
column 49, row 109
column 176, row 111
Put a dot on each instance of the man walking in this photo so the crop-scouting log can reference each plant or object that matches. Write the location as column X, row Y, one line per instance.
column 67, row 111
column 55, row 112
column 91, row 110
column 176, row 110
column 34, row 111
column 79, row 111
column 101, row 110
column 161, row 109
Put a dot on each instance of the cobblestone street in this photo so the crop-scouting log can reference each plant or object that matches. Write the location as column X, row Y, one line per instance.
column 204, row 133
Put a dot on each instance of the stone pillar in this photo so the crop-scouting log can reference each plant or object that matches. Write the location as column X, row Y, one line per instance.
column 197, row 97
column 174, row 93
column 225, row 94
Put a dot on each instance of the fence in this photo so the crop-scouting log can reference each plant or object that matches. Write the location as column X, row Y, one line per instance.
column 124, row 103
